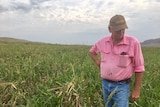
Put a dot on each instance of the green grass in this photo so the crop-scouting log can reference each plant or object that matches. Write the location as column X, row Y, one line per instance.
column 45, row 75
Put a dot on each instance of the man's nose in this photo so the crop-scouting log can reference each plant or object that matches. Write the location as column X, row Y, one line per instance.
column 120, row 31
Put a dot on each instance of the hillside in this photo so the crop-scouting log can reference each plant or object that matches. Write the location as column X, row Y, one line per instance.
column 152, row 42
column 14, row 40
column 10, row 40
column 148, row 43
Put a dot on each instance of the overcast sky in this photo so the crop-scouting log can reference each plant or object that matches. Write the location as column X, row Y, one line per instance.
column 76, row 21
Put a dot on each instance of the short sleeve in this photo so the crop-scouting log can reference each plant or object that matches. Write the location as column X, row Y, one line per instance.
column 138, row 58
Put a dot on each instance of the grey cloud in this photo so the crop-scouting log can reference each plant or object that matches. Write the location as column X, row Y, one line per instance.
column 96, row 4
column 46, row 5
column 21, row 6
column 15, row 6
column 37, row 2
column 110, row 3
column 99, row 4
column 3, row 9
column 131, row 0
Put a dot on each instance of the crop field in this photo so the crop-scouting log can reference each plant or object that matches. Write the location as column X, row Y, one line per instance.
column 46, row 75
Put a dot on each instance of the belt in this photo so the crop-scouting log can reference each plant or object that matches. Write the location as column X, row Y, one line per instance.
column 128, row 80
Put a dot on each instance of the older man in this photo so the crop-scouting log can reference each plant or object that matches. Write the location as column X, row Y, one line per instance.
column 121, row 56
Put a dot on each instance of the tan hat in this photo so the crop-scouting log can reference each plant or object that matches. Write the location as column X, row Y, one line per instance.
column 118, row 22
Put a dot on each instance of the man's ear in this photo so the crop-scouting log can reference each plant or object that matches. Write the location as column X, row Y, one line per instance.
column 109, row 28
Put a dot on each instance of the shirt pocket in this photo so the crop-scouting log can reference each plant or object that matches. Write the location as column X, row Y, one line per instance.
column 124, row 60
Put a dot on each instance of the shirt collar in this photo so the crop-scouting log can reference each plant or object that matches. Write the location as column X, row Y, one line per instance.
column 124, row 41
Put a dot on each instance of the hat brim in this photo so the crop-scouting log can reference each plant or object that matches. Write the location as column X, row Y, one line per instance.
column 120, row 27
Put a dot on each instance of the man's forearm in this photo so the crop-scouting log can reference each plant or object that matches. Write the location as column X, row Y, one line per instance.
column 95, row 58
column 138, row 80
column 137, row 86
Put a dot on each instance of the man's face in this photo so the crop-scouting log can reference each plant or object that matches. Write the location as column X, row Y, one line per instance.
column 118, row 35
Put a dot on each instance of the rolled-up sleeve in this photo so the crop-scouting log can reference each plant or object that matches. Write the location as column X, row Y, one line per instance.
column 94, row 49
column 138, row 58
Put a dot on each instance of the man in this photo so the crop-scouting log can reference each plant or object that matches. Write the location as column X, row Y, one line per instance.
column 121, row 56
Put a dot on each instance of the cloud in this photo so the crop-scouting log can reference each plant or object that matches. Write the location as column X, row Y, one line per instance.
column 76, row 17
column 3, row 9
column 78, row 11
column 15, row 6
column 88, row 11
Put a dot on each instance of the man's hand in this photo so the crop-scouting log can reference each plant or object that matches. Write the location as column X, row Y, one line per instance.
column 135, row 95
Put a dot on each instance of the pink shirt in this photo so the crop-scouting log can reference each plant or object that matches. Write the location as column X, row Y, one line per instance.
column 115, row 66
